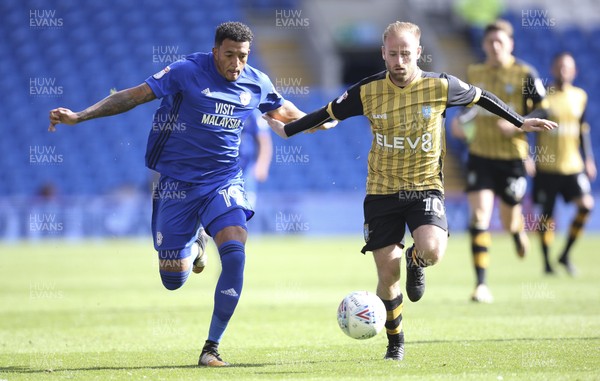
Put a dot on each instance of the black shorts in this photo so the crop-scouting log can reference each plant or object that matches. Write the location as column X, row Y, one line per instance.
column 546, row 186
column 506, row 178
column 386, row 216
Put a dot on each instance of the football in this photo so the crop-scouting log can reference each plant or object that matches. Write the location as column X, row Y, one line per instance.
column 361, row 315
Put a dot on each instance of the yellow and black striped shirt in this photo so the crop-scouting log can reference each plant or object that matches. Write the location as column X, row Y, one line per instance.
column 407, row 123
column 557, row 151
column 518, row 85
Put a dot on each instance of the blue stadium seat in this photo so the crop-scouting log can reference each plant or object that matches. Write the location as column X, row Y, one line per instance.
column 114, row 42
column 574, row 38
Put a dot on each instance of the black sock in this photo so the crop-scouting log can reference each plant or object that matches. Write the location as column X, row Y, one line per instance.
column 575, row 231
column 480, row 242
column 547, row 237
column 393, row 323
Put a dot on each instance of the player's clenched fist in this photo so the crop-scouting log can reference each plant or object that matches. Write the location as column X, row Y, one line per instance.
column 61, row 115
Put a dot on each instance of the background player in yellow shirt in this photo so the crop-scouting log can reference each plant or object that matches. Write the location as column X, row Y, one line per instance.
column 498, row 152
column 560, row 167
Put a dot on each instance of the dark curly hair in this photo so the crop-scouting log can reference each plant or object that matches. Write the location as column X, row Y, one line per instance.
column 233, row 30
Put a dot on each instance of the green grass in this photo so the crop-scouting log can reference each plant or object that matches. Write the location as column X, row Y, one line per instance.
column 98, row 311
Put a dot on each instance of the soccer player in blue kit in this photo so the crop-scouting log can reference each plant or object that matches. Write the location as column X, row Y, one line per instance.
column 194, row 145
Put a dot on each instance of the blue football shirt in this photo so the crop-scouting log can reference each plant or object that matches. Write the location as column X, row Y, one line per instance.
column 195, row 133
column 253, row 126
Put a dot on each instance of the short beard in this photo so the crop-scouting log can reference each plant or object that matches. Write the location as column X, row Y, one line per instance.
column 399, row 79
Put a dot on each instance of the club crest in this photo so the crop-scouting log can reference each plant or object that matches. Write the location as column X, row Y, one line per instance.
column 426, row 111
column 245, row 98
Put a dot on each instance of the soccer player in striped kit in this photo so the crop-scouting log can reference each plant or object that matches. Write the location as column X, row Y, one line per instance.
column 405, row 107
column 499, row 152
column 560, row 168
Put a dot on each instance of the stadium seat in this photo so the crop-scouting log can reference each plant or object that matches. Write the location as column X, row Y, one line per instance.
column 104, row 60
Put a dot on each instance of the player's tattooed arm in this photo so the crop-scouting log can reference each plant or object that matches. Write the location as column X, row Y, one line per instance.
column 115, row 103
column 118, row 102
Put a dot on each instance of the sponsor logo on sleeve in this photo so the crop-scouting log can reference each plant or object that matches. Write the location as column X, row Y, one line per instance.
column 160, row 74
column 342, row 97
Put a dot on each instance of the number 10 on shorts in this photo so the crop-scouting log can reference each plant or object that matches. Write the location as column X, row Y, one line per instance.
column 435, row 205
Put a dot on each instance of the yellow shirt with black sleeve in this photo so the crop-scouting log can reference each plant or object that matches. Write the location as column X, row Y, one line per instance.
column 518, row 85
column 409, row 145
column 557, row 151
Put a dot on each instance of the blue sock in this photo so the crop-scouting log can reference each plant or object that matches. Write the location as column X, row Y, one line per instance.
column 229, row 287
column 172, row 280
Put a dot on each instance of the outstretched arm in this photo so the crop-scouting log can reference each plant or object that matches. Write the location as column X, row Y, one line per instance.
column 319, row 119
column 494, row 105
column 115, row 103
column 307, row 122
column 288, row 112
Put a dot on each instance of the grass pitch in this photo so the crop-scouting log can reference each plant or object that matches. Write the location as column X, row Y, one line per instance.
column 97, row 311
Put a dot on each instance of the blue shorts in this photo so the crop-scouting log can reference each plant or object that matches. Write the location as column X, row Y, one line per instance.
column 179, row 208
